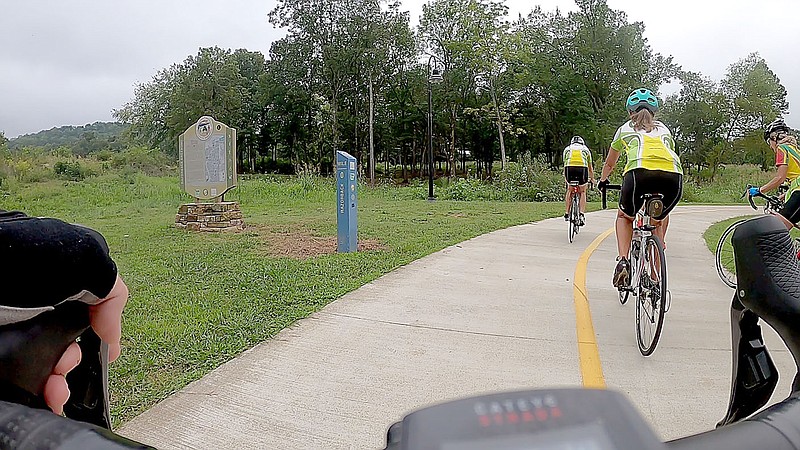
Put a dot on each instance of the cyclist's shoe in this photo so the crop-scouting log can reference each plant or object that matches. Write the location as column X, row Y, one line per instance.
column 622, row 273
column 566, row 217
column 582, row 220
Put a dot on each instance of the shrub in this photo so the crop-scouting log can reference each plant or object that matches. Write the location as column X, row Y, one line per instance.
column 466, row 189
column 531, row 179
column 104, row 155
column 148, row 161
column 269, row 165
column 71, row 170
column 28, row 170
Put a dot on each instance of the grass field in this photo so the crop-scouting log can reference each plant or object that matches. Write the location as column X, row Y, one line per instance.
column 197, row 300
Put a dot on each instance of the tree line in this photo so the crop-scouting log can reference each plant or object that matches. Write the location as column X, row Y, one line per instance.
column 79, row 140
column 354, row 75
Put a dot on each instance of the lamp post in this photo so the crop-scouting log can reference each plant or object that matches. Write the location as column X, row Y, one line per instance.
column 434, row 76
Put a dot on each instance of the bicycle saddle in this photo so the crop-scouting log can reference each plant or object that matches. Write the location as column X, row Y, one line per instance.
column 768, row 287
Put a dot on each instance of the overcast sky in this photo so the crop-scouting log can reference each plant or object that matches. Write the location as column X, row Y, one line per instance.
column 71, row 62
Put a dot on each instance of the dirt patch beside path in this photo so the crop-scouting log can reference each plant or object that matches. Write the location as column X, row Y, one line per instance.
column 302, row 244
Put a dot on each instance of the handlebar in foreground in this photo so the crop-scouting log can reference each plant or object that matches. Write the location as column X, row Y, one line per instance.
column 24, row 428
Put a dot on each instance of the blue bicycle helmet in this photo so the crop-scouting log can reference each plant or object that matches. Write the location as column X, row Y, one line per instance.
column 642, row 98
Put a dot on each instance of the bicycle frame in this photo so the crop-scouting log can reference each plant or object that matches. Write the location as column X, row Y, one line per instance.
column 574, row 190
column 574, row 211
column 642, row 229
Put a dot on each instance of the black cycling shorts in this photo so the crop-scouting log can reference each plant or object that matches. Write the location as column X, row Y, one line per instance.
column 577, row 173
column 791, row 209
column 637, row 182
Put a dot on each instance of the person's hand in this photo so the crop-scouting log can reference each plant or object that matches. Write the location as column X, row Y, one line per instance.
column 753, row 191
column 106, row 320
column 601, row 185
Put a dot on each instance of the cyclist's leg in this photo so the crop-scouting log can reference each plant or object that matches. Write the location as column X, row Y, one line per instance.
column 584, row 185
column 628, row 206
column 670, row 186
column 790, row 213
column 672, row 192
column 661, row 229
column 567, row 200
column 624, row 231
column 568, row 193
column 583, row 198
column 629, row 202
column 624, row 228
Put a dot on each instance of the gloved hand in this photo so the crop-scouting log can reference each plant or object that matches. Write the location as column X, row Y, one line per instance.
column 601, row 185
column 63, row 282
column 753, row 191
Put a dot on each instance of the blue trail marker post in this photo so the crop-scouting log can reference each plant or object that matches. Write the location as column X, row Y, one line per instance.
column 346, row 203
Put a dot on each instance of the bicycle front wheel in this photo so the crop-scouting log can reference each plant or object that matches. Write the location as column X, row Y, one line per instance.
column 796, row 244
column 723, row 257
column 651, row 301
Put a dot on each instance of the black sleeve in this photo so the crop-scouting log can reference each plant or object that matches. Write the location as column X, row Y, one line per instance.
column 45, row 261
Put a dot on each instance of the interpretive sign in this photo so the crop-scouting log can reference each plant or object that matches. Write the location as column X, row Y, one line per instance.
column 207, row 154
column 346, row 203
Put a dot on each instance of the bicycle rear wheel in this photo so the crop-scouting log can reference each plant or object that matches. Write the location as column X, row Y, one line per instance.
column 651, row 301
column 723, row 257
column 574, row 218
column 576, row 205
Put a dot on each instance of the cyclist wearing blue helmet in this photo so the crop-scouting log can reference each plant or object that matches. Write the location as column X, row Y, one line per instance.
column 653, row 167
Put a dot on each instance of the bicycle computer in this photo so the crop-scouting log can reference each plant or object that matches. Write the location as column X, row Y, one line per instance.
column 554, row 419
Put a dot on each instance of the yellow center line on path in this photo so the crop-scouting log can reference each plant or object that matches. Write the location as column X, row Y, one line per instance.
column 591, row 369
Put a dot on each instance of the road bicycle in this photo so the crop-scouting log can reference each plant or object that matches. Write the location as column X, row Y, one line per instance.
column 769, row 290
column 574, row 214
column 648, row 278
column 723, row 256
column 605, row 420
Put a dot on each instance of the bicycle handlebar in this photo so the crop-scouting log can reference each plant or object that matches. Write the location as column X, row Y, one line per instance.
column 774, row 202
column 606, row 188
column 776, row 428
column 22, row 427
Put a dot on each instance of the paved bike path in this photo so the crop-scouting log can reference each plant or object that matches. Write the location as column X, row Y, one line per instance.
column 492, row 313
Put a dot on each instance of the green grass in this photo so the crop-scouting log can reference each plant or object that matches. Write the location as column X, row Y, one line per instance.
column 197, row 300
column 714, row 232
column 727, row 186
column 712, row 236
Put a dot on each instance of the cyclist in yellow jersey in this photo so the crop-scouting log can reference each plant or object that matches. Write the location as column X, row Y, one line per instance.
column 653, row 167
column 577, row 167
column 787, row 159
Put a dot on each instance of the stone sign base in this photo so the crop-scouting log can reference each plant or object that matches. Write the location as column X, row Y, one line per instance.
column 223, row 216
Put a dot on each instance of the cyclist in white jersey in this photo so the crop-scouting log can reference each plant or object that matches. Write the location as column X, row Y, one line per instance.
column 578, row 168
